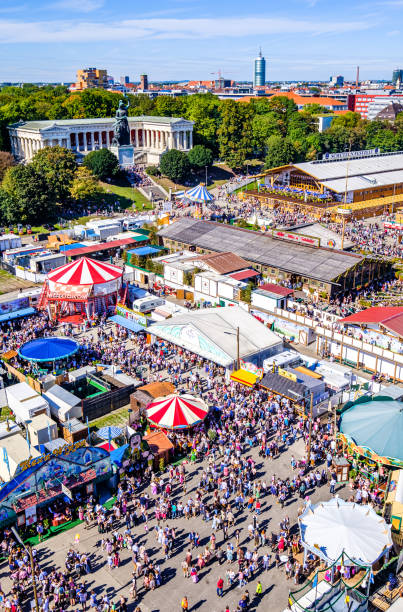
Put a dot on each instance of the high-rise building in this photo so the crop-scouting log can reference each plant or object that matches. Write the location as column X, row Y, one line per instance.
column 336, row 81
column 124, row 80
column 90, row 78
column 397, row 76
column 260, row 71
column 143, row 82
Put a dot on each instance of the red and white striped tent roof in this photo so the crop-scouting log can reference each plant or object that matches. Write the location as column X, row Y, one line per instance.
column 176, row 411
column 85, row 271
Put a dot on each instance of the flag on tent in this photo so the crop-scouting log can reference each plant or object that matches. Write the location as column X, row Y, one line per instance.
column 5, row 458
column 315, row 581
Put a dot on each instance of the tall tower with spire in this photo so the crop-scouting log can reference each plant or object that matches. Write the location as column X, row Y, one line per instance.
column 259, row 77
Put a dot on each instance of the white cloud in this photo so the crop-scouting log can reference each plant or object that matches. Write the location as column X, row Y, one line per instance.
column 393, row 33
column 79, row 6
column 63, row 31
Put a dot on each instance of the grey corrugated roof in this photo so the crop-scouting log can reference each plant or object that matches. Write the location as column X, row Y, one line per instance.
column 326, row 170
column 283, row 386
column 322, row 264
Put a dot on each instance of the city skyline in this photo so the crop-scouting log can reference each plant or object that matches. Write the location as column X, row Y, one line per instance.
column 49, row 41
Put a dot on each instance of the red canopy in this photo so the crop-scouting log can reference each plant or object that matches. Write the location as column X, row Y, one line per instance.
column 176, row 411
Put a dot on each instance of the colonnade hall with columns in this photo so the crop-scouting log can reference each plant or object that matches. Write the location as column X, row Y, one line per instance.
column 150, row 136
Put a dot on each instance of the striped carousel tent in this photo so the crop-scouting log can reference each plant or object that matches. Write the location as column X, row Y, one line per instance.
column 176, row 411
column 81, row 288
column 199, row 194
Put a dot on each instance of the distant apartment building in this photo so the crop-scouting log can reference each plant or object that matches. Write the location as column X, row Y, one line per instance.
column 91, row 78
column 370, row 105
column 143, row 82
column 336, row 81
column 397, row 76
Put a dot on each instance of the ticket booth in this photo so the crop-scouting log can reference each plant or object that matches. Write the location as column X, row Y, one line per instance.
column 342, row 468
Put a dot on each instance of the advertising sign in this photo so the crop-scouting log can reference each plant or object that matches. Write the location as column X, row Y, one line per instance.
column 30, row 515
column 351, row 154
column 287, row 374
column 133, row 315
column 293, row 237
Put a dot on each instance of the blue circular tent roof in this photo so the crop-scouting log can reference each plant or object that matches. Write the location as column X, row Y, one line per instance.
column 48, row 349
column 376, row 425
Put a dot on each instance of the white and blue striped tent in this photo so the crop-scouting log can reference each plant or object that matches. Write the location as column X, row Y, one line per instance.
column 199, row 194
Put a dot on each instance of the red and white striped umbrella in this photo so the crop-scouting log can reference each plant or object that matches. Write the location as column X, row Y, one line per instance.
column 176, row 411
column 85, row 271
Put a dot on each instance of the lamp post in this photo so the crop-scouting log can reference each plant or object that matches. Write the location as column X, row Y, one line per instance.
column 206, row 175
column 310, row 431
column 31, row 560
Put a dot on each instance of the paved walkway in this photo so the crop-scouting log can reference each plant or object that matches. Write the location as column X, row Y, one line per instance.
column 201, row 595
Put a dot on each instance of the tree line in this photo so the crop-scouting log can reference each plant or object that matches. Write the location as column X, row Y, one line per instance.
column 271, row 129
column 43, row 189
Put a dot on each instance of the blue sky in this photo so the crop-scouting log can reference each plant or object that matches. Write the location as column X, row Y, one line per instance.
column 301, row 39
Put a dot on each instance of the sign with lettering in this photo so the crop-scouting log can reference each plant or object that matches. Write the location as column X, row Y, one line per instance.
column 293, row 237
column 287, row 374
column 351, row 154
column 63, row 450
column 133, row 315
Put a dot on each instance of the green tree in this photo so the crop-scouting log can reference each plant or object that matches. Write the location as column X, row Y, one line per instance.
column 235, row 133
column 28, row 196
column 264, row 126
column 57, row 165
column 204, row 110
column 6, row 161
column 102, row 163
column 200, row 156
column 175, row 165
column 280, row 152
column 85, row 185
column 152, row 171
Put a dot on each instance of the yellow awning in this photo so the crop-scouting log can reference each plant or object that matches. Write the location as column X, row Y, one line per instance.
column 308, row 372
column 244, row 377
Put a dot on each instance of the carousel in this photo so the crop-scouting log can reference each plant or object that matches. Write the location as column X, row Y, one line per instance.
column 81, row 289
column 176, row 412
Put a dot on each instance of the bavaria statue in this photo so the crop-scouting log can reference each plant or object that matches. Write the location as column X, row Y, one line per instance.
column 121, row 126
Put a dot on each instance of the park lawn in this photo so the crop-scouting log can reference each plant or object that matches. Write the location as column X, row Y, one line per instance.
column 167, row 184
column 127, row 196
column 217, row 184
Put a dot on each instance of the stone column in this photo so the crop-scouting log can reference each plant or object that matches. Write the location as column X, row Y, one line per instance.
column 107, row 139
column 190, row 139
column 92, row 142
column 85, row 141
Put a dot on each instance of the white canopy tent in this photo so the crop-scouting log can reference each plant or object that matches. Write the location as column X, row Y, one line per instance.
column 330, row 528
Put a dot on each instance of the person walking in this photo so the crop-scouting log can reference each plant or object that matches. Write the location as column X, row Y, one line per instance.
column 220, row 586
column 184, row 603
column 332, row 486
column 259, row 590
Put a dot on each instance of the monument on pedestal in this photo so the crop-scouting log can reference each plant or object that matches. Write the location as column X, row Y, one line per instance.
column 121, row 146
